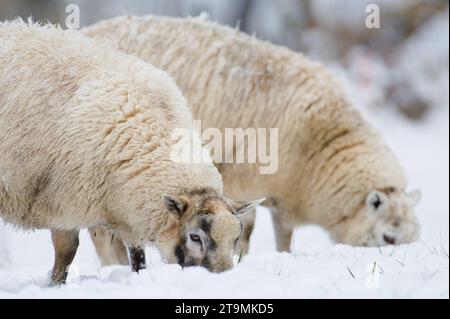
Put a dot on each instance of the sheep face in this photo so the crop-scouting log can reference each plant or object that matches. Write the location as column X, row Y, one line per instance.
column 386, row 218
column 210, row 229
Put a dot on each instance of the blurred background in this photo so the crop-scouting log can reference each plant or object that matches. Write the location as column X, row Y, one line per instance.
column 403, row 65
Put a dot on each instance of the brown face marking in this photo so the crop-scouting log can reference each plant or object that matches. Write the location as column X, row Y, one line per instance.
column 212, row 206
column 203, row 195
column 205, row 224
column 210, row 201
column 179, row 253
column 202, row 192
column 388, row 190
column 216, row 204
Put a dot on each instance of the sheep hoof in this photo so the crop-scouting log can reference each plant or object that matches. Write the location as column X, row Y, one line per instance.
column 137, row 258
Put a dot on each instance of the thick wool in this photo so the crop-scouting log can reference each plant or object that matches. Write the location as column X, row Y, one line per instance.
column 330, row 158
column 85, row 136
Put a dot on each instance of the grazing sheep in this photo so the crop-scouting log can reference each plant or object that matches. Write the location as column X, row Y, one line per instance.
column 334, row 170
column 86, row 140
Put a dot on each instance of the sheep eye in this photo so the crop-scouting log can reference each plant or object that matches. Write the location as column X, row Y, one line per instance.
column 377, row 202
column 195, row 237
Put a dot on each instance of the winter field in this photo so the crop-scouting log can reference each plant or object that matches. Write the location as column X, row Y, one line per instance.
column 315, row 269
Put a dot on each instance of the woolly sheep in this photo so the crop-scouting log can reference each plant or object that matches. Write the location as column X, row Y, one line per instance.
column 334, row 169
column 86, row 140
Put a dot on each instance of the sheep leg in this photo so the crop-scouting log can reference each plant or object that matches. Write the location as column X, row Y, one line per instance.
column 109, row 248
column 283, row 231
column 65, row 244
column 137, row 258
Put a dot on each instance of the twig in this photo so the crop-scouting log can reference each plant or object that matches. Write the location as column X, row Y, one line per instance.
column 351, row 273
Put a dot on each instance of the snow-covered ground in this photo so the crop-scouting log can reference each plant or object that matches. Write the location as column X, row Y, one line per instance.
column 315, row 269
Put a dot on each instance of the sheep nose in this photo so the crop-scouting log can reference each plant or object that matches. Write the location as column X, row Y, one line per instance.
column 389, row 240
column 223, row 267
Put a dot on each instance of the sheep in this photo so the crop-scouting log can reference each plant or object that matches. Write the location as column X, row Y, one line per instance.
column 87, row 139
column 334, row 169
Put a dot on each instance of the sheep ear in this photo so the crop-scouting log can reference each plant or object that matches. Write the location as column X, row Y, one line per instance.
column 175, row 205
column 376, row 201
column 414, row 197
column 244, row 207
